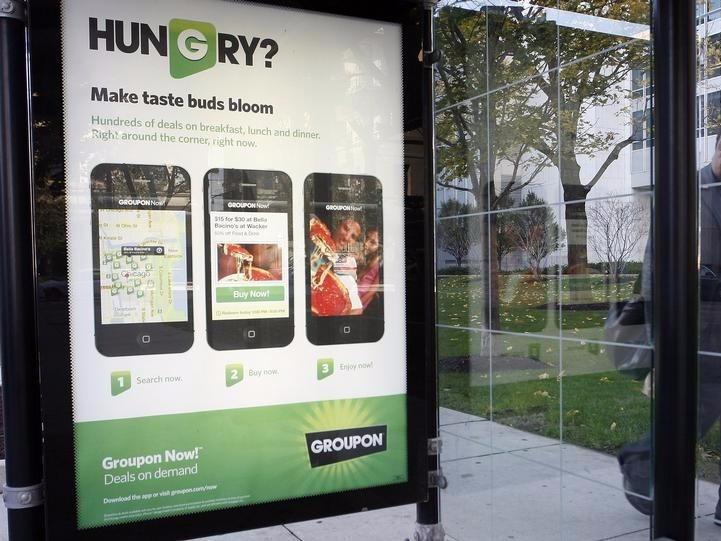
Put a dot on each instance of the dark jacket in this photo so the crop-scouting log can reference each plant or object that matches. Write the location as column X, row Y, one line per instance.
column 710, row 282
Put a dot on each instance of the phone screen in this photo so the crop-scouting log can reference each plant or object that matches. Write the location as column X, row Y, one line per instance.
column 344, row 258
column 143, row 257
column 249, row 275
column 142, row 260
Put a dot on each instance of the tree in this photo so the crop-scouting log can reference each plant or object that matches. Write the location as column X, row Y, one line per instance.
column 618, row 226
column 504, row 102
column 505, row 244
column 477, row 129
column 595, row 66
column 535, row 231
column 455, row 230
column 474, row 127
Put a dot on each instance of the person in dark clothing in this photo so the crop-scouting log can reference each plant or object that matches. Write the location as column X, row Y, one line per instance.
column 634, row 458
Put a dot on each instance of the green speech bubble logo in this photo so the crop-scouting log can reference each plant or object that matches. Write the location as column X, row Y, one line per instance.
column 193, row 47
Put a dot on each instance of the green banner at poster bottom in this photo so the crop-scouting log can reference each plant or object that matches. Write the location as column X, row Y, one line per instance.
column 140, row 468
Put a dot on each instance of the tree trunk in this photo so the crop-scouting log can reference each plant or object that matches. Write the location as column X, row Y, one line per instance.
column 577, row 237
column 493, row 269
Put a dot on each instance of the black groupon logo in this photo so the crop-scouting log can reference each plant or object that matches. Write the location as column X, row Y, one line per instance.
column 334, row 446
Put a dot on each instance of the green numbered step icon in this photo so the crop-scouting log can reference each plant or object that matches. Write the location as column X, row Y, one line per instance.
column 325, row 368
column 120, row 382
column 233, row 374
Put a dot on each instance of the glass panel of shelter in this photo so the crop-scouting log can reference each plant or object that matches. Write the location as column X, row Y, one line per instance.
column 552, row 182
column 708, row 507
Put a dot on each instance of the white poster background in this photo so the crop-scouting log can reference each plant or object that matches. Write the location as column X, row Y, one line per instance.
column 337, row 76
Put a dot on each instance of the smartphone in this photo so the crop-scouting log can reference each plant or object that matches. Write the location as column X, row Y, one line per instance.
column 142, row 272
column 344, row 258
column 249, row 270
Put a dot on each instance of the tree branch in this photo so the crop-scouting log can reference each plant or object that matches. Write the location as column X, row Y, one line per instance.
column 454, row 186
column 612, row 157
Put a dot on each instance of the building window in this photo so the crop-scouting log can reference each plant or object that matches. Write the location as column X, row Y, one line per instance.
column 712, row 110
column 712, row 7
column 639, row 83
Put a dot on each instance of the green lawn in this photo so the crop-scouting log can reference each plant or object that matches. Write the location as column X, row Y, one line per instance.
column 574, row 394
column 600, row 411
column 526, row 304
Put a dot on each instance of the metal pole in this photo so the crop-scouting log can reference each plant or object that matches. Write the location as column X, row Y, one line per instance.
column 429, row 527
column 676, row 269
column 23, row 494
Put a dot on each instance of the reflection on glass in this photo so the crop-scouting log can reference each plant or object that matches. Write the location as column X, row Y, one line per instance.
column 463, row 364
column 461, row 35
column 603, row 410
column 463, row 287
column 523, row 374
column 502, row 456
column 545, row 129
column 709, row 369
column 462, row 151
column 708, row 102
column 528, row 163
column 512, row 60
column 526, row 384
column 617, row 239
column 528, row 245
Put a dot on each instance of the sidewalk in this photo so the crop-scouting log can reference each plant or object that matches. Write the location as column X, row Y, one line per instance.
column 503, row 484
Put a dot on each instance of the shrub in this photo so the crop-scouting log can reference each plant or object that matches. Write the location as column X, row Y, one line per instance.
column 457, row 271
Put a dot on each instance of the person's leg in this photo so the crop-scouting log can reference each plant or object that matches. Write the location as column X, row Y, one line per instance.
column 709, row 406
column 635, row 458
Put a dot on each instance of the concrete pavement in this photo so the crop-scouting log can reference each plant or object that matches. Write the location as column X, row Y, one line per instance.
column 504, row 484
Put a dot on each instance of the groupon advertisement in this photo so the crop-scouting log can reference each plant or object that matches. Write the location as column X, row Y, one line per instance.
column 235, row 200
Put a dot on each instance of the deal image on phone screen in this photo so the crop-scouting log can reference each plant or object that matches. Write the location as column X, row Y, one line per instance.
column 141, row 259
column 249, row 275
column 344, row 258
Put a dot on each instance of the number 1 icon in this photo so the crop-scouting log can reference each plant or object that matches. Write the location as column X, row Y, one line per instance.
column 120, row 381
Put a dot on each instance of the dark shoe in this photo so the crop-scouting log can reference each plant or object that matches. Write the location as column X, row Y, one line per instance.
column 717, row 515
column 638, row 497
column 635, row 464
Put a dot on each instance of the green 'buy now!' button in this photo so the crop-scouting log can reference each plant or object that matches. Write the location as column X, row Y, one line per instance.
column 249, row 293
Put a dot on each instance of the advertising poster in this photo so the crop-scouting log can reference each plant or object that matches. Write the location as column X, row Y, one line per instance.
column 235, row 198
